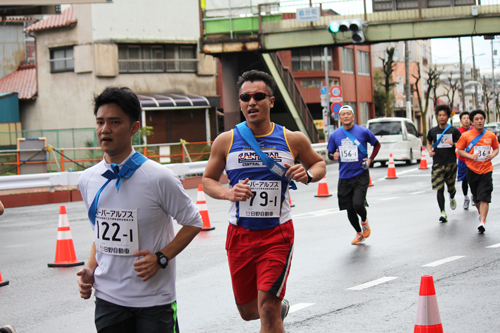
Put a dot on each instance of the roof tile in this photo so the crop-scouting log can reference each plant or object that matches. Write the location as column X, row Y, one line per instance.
column 65, row 19
column 22, row 81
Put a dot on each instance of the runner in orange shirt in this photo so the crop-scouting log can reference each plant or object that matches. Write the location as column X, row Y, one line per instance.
column 479, row 147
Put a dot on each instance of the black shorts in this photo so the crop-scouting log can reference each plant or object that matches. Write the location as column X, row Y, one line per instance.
column 352, row 192
column 110, row 317
column 481, row 186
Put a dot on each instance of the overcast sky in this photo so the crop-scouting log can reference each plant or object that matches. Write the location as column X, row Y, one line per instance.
column 445, row 50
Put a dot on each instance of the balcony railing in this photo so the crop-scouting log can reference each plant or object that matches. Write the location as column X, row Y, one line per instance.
column 157, row 65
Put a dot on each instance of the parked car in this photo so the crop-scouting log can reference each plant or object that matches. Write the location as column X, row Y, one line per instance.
column 493, row 127
column 397, row 136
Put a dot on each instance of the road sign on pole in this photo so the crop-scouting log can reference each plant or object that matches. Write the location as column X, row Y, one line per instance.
column 336, row 107
column 336, row 91
column 323, row 90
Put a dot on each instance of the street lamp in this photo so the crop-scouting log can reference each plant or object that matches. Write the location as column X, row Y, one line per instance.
column 474, row 78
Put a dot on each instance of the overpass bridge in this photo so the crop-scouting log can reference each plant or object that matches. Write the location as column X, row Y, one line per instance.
column 247, row 37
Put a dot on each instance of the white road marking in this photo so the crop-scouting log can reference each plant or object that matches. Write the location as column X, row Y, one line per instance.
column 373, row 283
column 300, row 306
column 419, row 192
column 493, row 246
column 317, row 213
column 390, row 198
column 406, row 171
column 442, row 261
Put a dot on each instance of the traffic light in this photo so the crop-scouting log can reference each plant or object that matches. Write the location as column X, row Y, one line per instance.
column 354, row 25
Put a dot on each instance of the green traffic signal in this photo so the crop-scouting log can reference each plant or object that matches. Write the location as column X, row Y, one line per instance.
column 333, row 27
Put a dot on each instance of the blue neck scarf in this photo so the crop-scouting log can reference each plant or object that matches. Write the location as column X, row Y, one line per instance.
column 126, row 171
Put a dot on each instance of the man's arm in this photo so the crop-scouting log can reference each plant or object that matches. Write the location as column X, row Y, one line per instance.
column 86, row 274
column 493, row 154
column 213, row 171
column 148, row 266
column 309, row 159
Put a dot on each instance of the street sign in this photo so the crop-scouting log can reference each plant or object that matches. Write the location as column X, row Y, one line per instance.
column 336, row 91
column 324, row 100
column 308, row 14
column 336, row 107
column 335, row 116
column 335, row 99
column 323, row 90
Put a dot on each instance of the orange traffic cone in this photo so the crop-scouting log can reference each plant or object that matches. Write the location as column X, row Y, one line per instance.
column 423, row 160
column 370, row 184
column 65, row 250
column 323, row 189
column 290, row 200
column 2, row 282
column 391, row 171
column 428, row 319
column 201, row 203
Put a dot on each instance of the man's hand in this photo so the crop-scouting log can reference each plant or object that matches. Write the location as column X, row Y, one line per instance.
column 367, row 163
column 240, row 192
column 336, row 156
column 296, row 172
column 490, row 156
column 448, row 141
column 475, row 157
column 85, row 282
column 147, row 266
column 432, row 153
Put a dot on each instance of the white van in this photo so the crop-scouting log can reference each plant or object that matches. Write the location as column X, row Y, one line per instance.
column 397, row 136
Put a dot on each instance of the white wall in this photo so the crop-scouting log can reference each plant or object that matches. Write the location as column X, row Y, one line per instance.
column 133, row 20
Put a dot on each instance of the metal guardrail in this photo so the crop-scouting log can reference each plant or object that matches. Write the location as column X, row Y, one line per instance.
column 182, row 170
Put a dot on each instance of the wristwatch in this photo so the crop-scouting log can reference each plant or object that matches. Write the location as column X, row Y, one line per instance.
column 309, row 176
column 162, row 259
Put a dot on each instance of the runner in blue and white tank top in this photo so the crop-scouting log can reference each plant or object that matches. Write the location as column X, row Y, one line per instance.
column 260, row 235
column 270, row 205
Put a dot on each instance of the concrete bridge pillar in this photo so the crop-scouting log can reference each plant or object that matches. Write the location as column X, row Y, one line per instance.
column 230, row 96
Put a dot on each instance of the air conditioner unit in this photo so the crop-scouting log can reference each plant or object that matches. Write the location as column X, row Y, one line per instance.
column 399, row 104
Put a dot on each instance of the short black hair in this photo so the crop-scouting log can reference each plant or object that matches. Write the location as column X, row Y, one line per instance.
column 124, row 98
column 464, row 113
column 255, row 75
column 476, row 112
column 443, row 107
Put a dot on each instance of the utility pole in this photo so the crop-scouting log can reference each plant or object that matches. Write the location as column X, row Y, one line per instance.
column 407, row 85
column 326, row 108
column 476, row 99
column 493, row 82
column 461, row 74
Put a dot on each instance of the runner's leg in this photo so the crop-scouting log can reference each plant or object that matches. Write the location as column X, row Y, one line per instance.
column 440, row 199
column 353, row 218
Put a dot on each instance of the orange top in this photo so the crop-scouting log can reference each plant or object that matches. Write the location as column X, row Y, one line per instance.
column 488, row 139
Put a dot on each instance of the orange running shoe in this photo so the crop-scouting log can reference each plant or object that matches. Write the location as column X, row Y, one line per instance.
column 358, row 239
column 366, row 229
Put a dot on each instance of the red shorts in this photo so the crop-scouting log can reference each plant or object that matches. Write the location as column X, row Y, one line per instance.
column 259, row 260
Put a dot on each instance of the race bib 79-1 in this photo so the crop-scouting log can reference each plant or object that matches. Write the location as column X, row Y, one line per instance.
column 266, row 200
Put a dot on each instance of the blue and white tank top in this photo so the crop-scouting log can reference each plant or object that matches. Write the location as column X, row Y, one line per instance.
column 270, row 205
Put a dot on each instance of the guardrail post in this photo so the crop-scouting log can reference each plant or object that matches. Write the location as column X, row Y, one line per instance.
column 62, row 160
column 18, row 164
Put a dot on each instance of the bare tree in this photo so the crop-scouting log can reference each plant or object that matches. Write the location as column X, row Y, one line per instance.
column 432, row 77
column 388, row 68
column 454, row 87
column 436, row 73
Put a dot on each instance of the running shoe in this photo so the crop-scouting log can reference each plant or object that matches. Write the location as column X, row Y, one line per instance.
column 466, row 202
column 366, row 229
column 7, row 329
column 358, row 239
column 453, row 203
column 481, row 228
column 285, row 307
column 443, row 218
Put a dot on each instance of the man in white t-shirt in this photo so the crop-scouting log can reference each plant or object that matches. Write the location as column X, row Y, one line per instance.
column 131, row 203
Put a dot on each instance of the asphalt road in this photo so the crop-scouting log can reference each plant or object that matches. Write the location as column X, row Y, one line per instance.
column 333, row 285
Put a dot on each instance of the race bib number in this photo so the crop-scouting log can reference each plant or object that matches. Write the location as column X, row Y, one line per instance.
column 116, row 232
column 482, row 151
column 266, row 201
column 348, row 153
column 442, row 143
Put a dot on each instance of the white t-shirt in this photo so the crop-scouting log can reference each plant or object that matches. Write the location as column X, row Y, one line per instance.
column 158, row 196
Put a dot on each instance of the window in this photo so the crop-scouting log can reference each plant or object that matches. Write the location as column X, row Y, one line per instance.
column 311, row 83
column 411, row 129
column 62, row 60
column 30, row 51
column 310, row 59
column 363, row 63
column 347, row 60
column 385, row 128
column 157, row 58
column 363, row 113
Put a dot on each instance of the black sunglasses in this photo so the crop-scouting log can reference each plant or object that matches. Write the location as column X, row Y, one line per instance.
column 256, row 96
